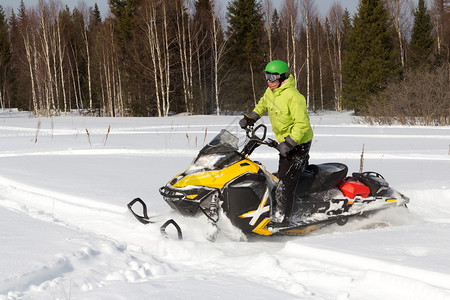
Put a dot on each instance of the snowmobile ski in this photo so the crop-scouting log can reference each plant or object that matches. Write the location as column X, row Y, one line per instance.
column 144, row 219
column 177, row 227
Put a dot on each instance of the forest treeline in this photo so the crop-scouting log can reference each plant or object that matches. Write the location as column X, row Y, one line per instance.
column 162, row 57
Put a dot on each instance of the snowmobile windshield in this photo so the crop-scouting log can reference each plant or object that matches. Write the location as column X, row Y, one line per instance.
column 221, row 151
column 224, row 142
column 225, row 138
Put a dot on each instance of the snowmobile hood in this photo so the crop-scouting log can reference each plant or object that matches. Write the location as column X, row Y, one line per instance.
column 215, row 178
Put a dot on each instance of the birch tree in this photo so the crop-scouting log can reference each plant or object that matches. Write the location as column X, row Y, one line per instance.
column 184, row 39
column 219, row 46
column 268, row 13
column 289, row 17
column 45, row 40
column 440, row 10
column 27, row 28
column 85, row 34
column 157, row 41
column 334, row 31
column 399, row 11
column 319, row 40
column 308, row 10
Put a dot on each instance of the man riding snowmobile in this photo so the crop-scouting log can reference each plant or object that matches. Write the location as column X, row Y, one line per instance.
column 290, row 123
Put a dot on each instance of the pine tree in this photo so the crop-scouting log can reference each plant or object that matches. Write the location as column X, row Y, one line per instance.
column 422, row 41
column 276, row 35
column 246, row 52
column 369, row 58
column 124, row 11
column 95, row 18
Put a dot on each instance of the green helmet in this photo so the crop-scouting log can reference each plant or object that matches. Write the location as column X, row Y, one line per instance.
column 277, row 66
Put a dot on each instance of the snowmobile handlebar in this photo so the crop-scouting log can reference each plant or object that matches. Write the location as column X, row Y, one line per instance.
column 251, row 132
column 255, row 140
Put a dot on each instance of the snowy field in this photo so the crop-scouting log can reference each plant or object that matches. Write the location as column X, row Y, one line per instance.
column 65, row 232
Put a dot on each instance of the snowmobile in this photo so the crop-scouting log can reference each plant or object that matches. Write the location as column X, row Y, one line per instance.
column 224, row 180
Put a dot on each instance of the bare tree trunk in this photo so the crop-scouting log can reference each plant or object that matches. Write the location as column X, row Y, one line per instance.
column 319, row 52
column 294, row 50
column 45, row 43
column 399, row 12
column 339, row 73
column 150, row 31
column 288, row 57
column 219, row 51
column 290, row 13
column 77, row 86
column 336, row 24
column 118, row 82
column 74, row 86
column 28, row 50
column 160, row 57
column 199, row 74
column 106, row 54
column 85, row 12
column 438, row 10
column 333, row 67
column 108, row 81
column 216, row 61
column 306, row 7
column 183, row 56
column 113, row 83
column 166, row 61
column 190, row 58
column 268, row 10
column 38, row 77
column 54, row 47
column 61, row 50
column 88, row 56
column 102, row 89
column 253, row 82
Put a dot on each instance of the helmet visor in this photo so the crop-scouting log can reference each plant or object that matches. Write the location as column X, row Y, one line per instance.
column 272, row 77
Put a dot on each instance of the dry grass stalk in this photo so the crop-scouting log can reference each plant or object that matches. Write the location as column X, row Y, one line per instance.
column 37, row 131
column 107, row 134
column 89, row 137
column 361, row 161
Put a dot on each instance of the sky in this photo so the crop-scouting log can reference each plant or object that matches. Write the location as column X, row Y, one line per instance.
column 322, row 5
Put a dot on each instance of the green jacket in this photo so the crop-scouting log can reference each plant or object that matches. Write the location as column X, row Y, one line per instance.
column 287, row 112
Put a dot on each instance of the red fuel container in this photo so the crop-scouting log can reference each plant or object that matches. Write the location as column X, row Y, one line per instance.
column 352, row 188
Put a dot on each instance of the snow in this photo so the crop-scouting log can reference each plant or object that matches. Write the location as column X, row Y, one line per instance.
column 65, row 232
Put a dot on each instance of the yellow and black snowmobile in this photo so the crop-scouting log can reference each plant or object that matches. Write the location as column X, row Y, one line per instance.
column 223, row 179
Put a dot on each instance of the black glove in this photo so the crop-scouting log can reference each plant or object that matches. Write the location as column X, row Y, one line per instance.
column 285, row 147
column 248, row 120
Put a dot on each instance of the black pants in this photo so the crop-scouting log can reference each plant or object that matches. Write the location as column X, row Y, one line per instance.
column 289, row 170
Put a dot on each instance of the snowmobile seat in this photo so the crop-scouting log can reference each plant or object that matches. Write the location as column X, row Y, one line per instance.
column 328, row 175
column 320, row 177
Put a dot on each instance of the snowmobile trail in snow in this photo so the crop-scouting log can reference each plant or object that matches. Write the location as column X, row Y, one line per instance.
column 255, row 261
